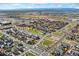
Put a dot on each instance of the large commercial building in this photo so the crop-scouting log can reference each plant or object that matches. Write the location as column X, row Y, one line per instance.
column 5, row 25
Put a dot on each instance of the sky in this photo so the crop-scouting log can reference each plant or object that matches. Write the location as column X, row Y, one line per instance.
column 12, row 6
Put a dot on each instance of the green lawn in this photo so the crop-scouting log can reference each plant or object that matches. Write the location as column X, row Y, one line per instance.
column 29, row 54
column 58, row 33
column 0, row 35
column 47, row 42
column 34, row 31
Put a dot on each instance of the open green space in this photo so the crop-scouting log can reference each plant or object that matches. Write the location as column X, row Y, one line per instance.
column 34, row 31
column 29, row 54
column 0, row 35
column 47, row 41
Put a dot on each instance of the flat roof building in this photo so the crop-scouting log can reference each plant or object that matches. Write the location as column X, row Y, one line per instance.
column 5, row 25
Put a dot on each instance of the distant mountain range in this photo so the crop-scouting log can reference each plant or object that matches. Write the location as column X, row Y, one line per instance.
column 44, row 9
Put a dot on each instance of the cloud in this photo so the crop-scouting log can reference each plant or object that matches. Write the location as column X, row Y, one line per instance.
column 8, row 6
column 16, row 4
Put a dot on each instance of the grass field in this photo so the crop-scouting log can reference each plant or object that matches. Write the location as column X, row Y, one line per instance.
column 29, row 54
column 47, row 41
column 34, row 31
column 1, row 35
